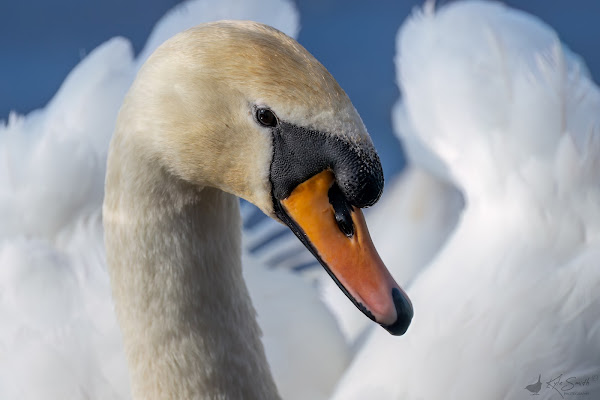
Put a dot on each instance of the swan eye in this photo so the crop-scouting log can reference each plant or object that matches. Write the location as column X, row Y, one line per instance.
column 266, row 117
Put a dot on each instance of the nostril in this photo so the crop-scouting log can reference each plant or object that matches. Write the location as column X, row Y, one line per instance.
column 341, row 210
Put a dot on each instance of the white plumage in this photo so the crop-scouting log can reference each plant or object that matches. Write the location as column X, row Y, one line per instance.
column 492, row 102
column 513, row 117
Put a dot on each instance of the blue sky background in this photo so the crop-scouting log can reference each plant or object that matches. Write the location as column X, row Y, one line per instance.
column 41, row 41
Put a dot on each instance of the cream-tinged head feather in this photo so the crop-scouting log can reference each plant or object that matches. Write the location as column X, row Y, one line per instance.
column 193, row 105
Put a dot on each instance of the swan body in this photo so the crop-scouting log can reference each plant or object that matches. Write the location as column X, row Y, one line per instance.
column 285, row 333
column 511, row 115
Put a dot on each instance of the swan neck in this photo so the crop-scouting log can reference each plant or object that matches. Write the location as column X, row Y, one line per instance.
column 188, row 324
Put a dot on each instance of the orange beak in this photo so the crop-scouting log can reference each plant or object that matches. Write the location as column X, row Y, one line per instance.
column 336, row 233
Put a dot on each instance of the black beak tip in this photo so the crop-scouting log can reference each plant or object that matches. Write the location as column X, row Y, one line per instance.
column 404, row 312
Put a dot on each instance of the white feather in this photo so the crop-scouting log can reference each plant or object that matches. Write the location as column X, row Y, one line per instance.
column 512, row 117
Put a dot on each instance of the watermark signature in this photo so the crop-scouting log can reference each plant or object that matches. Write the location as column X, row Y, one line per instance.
column 563, row 385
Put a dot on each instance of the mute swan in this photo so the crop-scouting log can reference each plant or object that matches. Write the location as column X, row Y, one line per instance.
column 59, row 337
column 222, row 110
column 513, row 117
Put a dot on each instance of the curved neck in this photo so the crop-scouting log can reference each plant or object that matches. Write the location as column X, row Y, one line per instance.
column 188, row 324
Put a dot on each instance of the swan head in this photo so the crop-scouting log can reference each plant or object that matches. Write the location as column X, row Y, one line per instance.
column 241, row 107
